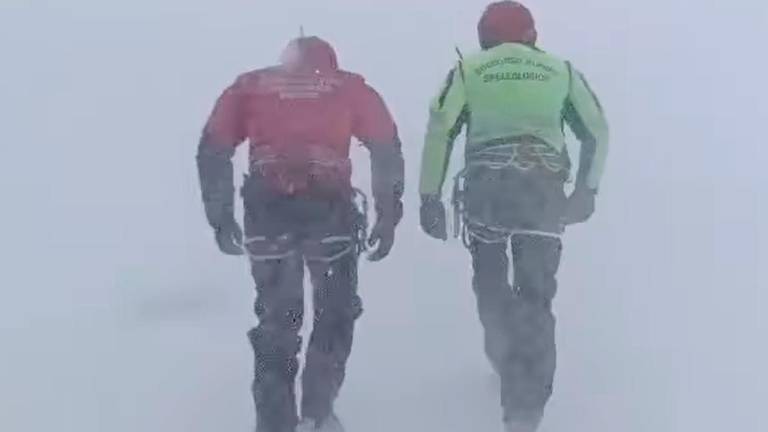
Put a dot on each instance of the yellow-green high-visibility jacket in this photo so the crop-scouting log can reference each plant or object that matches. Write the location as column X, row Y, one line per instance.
column 510, row 91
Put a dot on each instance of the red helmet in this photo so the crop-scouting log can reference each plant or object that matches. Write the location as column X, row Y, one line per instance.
column 506, row 22
column 311, row 53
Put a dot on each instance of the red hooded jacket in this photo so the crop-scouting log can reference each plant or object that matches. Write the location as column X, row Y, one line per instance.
column 302, row 112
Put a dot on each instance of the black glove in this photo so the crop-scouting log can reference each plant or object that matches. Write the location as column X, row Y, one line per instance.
column 214, row 165
column 433, row 217
column 382, row 238
column 229, row 237
column 383, row 234
column 387, row 182
column 580, row 205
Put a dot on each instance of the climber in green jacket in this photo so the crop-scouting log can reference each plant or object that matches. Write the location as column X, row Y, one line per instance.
column 514, row 100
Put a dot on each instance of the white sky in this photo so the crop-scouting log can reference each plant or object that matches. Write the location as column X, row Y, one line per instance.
column 117, row 313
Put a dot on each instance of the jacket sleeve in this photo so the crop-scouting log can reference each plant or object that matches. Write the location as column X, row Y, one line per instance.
column 374, row 127
column 584, row 115
column 448, row 114
column 223, row 132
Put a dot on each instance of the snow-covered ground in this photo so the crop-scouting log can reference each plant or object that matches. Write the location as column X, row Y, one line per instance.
column 117, row 313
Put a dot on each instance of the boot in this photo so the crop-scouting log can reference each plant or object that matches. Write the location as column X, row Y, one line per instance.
column 523, row 422
column 520, row 426
column 330, row 424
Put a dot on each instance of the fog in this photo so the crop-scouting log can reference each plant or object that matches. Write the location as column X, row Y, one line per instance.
column 117, row 313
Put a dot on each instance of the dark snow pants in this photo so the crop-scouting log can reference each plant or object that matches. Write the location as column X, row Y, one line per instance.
column 517, row 318
column 285, row 233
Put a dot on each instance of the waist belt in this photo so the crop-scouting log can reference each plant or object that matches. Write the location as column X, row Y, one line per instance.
column 327, row 249
column 525, row 155
column 314, row 155
column 298, row 168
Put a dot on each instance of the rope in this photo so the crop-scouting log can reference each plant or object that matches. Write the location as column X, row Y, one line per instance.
column 523, row 156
